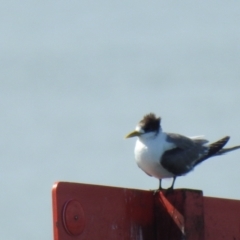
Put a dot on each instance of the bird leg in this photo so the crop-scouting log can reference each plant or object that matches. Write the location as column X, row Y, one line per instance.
column 159, row 188
column 174, row 179
column 160, row 184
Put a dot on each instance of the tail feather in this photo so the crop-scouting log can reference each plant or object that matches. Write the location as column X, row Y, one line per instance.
column 214, row 149
column 225, row 150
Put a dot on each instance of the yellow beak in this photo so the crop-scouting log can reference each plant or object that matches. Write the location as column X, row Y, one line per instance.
column 133, row 134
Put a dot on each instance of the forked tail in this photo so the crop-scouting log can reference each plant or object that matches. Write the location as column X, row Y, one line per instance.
column 225, row 150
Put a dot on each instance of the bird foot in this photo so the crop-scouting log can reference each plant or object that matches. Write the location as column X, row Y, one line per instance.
column 167, row 190
column 156, row 191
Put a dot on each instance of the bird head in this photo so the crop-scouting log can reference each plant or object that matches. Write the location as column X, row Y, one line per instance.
column 149, row 124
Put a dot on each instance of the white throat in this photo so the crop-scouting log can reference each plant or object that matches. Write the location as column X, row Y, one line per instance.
column 148, row 152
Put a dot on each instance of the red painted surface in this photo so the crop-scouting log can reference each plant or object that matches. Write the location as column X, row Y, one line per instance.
column 172, row 211
column 109, row 213
column 222, row 219
column 90, row 212
column 184, row 206
column 73, row 217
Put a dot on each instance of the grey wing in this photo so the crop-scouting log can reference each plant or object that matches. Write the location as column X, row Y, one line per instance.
column 181, row 159
column 199, row 139
column 180, row 141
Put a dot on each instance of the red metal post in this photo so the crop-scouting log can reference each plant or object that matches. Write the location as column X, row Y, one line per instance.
column 181, row 216
column 90, row 212
column 222, row 218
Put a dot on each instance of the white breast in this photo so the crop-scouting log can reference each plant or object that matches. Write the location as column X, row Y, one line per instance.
column 148, row 152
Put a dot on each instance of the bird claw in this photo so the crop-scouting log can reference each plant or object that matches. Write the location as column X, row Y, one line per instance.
column 167, row 190
column 156, row 191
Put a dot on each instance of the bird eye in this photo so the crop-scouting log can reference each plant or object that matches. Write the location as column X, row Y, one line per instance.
column 147, row 128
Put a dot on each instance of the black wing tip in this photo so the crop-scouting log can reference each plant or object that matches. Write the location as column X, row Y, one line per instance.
column 217, row 146
column 226, row 138
column 214, row 149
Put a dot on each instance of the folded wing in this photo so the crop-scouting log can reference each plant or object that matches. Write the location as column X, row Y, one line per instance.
column 188, row 153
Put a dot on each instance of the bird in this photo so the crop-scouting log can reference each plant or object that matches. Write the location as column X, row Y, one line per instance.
column 170, row 155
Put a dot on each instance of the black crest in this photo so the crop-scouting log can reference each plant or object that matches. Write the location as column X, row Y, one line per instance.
column 150, row 123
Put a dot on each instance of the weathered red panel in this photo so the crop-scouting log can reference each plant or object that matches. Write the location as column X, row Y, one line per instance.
column 89, row 212
column 222, row 219
column 186, row 207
